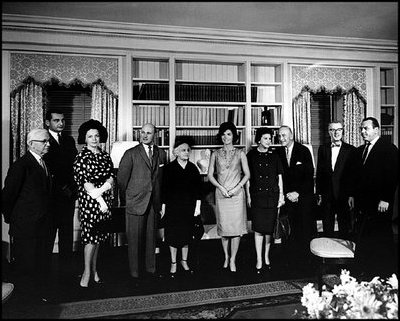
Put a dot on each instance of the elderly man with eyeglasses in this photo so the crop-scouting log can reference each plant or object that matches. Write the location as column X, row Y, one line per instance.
column 333, row 181
column 25, row 206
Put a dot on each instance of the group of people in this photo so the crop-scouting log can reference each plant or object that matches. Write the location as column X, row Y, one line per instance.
column 42, row 186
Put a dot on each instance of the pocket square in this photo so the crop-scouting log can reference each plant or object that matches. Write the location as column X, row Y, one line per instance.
column 161, row 165
column 299, row 163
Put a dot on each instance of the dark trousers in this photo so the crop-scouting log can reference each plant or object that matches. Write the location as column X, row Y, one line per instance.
column 141, row 236
column 63, row 220
column 303, row 227
column 375, row 250
column 330, row 207
column 32, row 263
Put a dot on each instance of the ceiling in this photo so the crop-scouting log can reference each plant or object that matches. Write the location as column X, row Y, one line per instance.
column 373, row 20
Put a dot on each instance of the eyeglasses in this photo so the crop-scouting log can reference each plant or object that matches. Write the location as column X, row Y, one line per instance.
column 44, row 141
column 336, row 130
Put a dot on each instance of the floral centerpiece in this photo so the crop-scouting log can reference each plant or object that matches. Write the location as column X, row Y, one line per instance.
column 377, row 299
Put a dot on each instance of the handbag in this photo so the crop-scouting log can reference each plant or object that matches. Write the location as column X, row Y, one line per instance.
column 282, row 227
column 198, row 228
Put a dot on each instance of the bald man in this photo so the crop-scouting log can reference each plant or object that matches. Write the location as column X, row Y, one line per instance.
column 139, row 180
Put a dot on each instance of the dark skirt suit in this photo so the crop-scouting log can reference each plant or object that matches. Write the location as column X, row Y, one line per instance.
column 181, row 189
column 264, row 189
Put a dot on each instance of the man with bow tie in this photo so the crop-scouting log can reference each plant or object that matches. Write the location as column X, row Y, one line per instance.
column 334, row 180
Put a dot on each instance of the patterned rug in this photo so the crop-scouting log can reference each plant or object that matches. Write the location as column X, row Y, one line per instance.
column 196, row 300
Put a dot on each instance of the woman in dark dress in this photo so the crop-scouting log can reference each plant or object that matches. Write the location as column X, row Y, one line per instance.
column 93, row 173
column 264, row 193
column 180, row 203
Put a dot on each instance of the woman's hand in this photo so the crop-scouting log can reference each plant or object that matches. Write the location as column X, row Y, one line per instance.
column 281, row 200
column 224, row 192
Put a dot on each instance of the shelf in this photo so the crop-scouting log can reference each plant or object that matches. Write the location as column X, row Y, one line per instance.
column 266, row 83
column 273, row 104
column 155, row 80
column 150, row 102
column 194, row 82
column 211, row 103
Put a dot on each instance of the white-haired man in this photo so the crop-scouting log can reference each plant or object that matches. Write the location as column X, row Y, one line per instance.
column 25, row 200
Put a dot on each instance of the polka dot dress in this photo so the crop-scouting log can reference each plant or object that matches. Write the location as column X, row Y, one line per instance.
column 96, row 169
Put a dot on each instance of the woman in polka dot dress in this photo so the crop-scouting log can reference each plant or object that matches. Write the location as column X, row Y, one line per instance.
column 93, row 172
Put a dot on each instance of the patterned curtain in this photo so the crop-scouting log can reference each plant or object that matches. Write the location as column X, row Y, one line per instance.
column 27, row 113
column 104, row 109
column 302, row 117
column 353, row 114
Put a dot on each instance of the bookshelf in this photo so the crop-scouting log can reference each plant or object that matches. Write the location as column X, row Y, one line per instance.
column 186, row 97
column 388, row 103
column 266, row 98
column 150, row 92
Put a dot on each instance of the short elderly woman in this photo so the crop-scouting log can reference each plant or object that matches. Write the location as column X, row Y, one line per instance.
column 181, row 200
column 93, row 173
column 264, row 193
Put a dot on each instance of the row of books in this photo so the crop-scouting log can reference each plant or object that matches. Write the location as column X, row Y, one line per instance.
column 161, row 136
column 208, row 116
column 198, row 92
column 205, row 136
column 155, row 114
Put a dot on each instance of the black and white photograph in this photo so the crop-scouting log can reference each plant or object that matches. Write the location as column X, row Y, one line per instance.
column 199, row 160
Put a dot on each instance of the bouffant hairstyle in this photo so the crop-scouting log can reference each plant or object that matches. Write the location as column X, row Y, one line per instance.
column 92, row 124
column 224, row 127
column 260, row 132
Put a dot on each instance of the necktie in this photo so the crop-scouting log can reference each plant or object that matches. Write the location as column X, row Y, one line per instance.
column 287, row 155
column 59, row 138
column 150, row 155
column 42, row 163
column 365, row 152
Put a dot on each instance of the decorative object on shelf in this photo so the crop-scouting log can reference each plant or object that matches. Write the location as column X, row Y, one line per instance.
column 377, row 299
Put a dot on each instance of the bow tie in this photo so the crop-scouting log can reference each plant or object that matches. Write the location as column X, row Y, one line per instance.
column 336, row 144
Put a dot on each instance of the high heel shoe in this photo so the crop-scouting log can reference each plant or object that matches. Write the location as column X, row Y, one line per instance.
column 188, row 270
column 268, row 267
column 258, row 270
column 172, row 274
column 83, row 285
column 99, row 280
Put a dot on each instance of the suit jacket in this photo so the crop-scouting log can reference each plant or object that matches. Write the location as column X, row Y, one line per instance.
column 25, row 198
column 299, row 176
column 60, row 159
column 139, row 182
column 335, row 183
column 378, row 177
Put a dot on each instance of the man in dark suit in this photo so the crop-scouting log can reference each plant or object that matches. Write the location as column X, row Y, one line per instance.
column 377, row 179
column 25, row 206
column 333, row 181
column 60, row 158
column 139, row 180
column 298, row 187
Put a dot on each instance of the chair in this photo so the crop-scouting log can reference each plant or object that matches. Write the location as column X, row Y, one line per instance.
column 332, row 251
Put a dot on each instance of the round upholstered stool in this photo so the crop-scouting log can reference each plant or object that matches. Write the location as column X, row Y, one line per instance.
column 331, row 251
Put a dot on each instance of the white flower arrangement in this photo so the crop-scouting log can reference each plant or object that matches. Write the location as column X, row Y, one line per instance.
column 377, row 299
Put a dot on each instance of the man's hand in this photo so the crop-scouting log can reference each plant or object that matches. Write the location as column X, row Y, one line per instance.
column 383, row 206
column 293, row 196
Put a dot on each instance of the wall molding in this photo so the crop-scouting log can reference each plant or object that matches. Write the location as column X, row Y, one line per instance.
column 67, row 27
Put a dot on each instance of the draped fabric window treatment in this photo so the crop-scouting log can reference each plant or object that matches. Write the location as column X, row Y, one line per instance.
column 353, row 113
column 28, row 109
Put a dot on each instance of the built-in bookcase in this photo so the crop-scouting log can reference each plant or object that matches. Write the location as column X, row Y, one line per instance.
column 266, row 98
column 388, row 103
column 185, row 97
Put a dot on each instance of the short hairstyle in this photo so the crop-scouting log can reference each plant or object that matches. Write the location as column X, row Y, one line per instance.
column 261, row 131
column 92, row 124
column 36, row 133
column 53, row 111
column 224, row 127
column 374, row 121
column 335, row 122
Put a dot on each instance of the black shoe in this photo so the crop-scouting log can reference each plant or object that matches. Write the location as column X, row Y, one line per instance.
column 268, row 267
